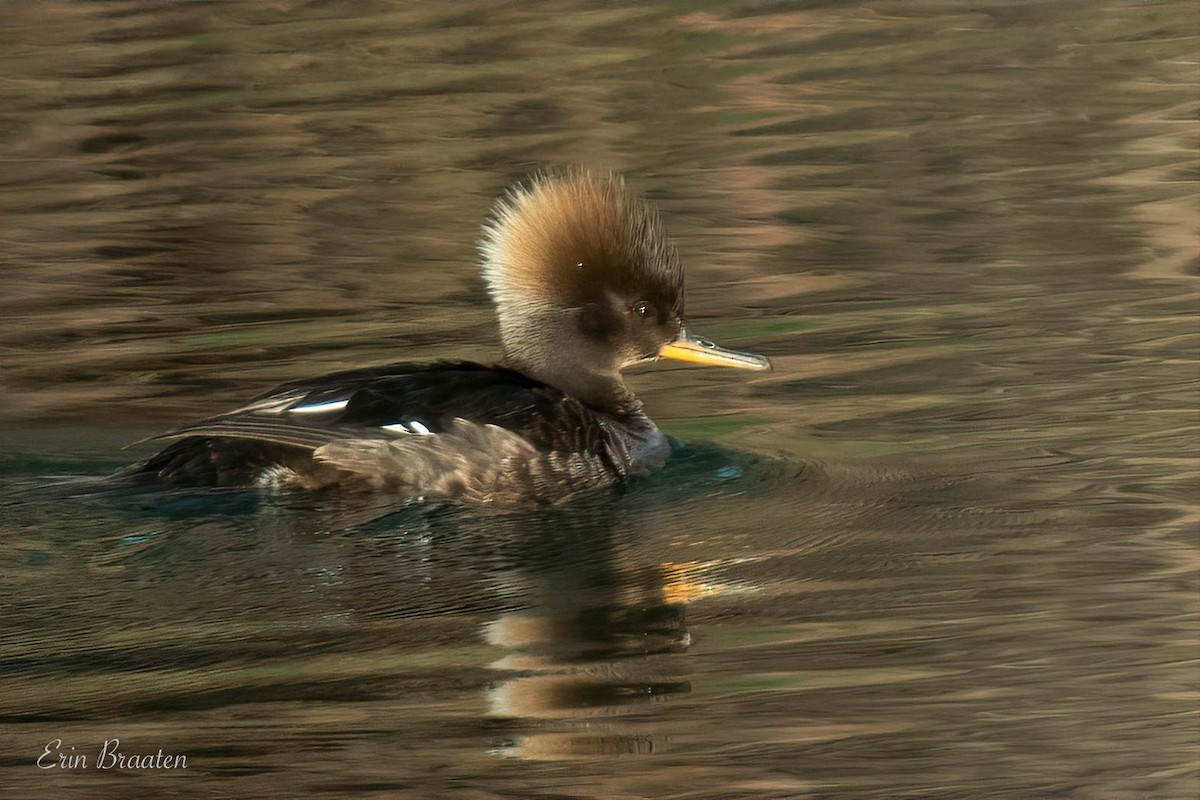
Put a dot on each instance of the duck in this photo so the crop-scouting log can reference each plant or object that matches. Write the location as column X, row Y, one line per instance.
column 585, row 282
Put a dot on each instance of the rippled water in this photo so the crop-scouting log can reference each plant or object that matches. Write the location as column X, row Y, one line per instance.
column 946, row 549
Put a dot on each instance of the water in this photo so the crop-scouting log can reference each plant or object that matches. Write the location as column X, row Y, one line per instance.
column 946, row 549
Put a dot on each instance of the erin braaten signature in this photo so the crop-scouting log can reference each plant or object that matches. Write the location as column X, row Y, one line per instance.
column 109, row 757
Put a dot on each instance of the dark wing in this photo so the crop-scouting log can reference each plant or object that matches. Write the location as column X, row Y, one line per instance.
column 458, row 429
column 399, row 399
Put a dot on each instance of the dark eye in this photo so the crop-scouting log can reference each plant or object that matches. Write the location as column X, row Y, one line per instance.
column 644, row 310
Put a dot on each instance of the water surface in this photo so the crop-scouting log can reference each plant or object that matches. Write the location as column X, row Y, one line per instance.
column 946, row 549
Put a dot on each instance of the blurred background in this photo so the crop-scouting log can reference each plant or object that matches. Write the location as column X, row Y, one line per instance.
column 947, row 548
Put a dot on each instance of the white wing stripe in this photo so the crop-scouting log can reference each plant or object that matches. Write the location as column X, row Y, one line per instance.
column 320, row 408
column 412, row 426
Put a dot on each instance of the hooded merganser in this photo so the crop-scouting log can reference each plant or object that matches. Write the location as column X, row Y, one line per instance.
column 585, row 283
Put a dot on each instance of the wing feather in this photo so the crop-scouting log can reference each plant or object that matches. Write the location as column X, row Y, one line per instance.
column 471, row 461
column 267, row 430
column 459, row 430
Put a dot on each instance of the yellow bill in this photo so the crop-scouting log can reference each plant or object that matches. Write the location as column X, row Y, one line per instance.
column 701, row 351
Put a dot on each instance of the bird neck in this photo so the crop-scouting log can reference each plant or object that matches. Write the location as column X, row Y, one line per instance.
column 548, row 347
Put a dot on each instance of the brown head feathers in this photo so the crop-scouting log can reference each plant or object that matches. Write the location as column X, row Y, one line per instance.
column 568, row 237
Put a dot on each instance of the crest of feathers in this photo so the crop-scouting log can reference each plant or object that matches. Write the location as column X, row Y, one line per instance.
column 563, row 237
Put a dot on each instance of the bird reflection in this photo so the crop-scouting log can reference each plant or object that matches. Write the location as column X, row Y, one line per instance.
column 591, row 624
column 592, row 645
column 567, row 622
